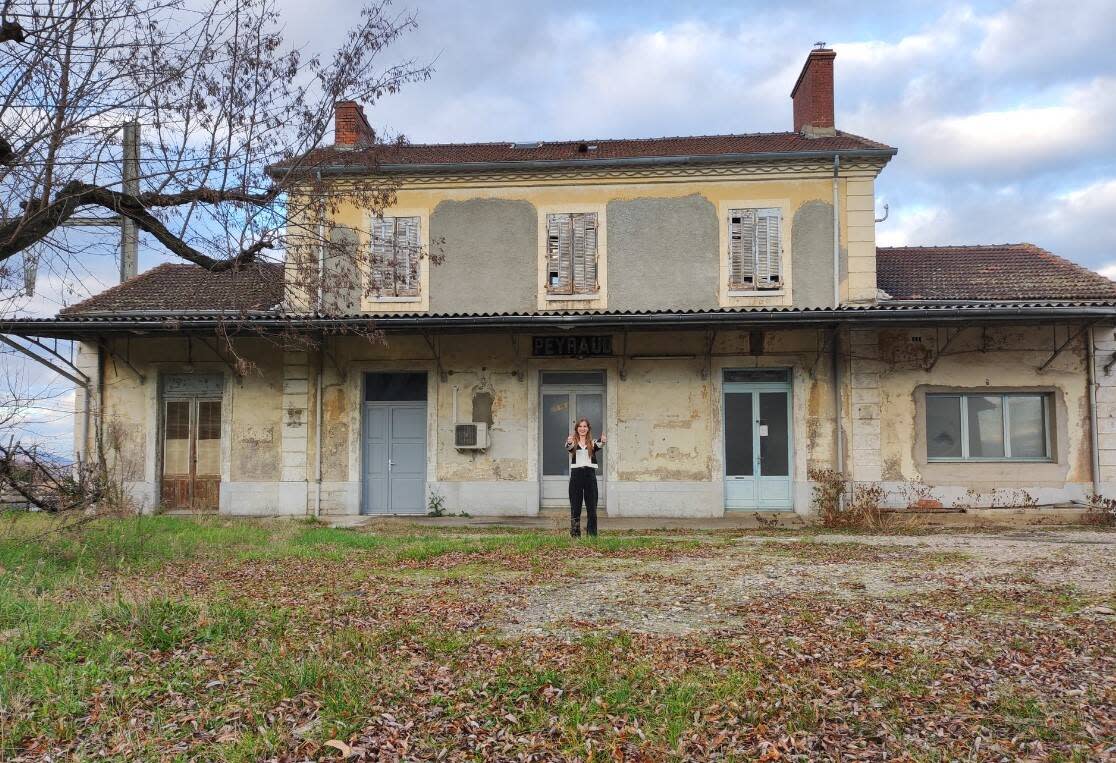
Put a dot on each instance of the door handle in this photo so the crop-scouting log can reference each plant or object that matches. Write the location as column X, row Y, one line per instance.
column 390, row 464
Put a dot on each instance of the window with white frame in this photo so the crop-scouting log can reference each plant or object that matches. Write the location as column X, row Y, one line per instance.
column 571, row 253
column 997, row 426
column 755, row 249
column 395, row 255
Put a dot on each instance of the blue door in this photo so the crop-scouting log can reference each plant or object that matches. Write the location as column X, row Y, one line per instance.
column 758, row 440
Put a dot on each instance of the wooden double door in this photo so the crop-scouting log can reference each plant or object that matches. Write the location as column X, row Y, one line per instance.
column 191, row 453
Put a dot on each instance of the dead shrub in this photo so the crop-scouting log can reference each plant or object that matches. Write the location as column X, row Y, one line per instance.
column 861, row 510
column 1101, row 511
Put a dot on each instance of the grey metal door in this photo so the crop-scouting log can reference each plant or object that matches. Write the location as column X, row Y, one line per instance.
column 394, row 458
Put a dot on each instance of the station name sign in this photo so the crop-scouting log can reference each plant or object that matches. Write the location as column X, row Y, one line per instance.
column 571, row 346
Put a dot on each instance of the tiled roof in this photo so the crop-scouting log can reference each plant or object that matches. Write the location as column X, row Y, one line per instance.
column 174, row 287
column 587, row 150
column 1001, row 272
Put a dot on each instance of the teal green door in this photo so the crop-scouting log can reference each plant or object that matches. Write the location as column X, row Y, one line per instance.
column 758, row 441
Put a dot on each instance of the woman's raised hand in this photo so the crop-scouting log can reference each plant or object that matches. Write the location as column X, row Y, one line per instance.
column 604, row 438
column 570, row 440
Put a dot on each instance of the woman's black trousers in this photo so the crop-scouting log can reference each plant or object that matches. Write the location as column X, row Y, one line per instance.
column 583, row 489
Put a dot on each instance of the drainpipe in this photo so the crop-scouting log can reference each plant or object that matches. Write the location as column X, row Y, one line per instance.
column 836, row 235
column 838, row 427
column 318, row 431
column 320, row 306
column 1094, row 437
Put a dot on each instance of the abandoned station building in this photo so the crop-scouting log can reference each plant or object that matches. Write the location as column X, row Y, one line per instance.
column 717, row 305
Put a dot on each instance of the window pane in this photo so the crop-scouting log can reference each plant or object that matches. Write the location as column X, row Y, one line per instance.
column 573, row 377
column 209, row 438
column 755, row 375
column 986, row 426
column 1027, row 422
column 394, row 386
column 739, row 456
column 943, row 426
column 774, row 444
column 557, row 426
column 176, row 438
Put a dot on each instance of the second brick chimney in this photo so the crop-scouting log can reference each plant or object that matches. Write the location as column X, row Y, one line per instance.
column 813, row 95
column 350, row 126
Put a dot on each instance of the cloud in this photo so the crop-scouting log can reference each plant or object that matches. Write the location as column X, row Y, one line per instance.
column 1048, row 40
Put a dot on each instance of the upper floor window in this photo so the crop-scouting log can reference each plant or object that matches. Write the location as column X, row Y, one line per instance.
column 571, row 253
column 396, row 251
column 984, row 426
column 755, row 249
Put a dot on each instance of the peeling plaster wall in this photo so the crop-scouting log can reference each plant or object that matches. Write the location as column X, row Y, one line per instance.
column 663, row 417
column 250, row 419
column 995, row 359
column 664, row 429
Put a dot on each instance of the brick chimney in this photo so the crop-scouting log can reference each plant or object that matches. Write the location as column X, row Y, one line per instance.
column 813, row 95
column 350, row 126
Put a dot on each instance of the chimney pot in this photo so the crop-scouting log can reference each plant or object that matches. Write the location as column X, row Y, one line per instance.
column 350, row 126
column 813, row 95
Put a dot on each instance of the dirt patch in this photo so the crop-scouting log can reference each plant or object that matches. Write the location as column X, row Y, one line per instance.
column 695, row 594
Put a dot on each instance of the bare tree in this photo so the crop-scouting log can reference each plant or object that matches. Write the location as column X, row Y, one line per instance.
column 221, row 97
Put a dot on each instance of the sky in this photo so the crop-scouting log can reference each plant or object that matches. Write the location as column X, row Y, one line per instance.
column 1004, row 113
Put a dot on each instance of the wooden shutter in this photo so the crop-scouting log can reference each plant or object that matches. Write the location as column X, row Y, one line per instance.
column 383, row 238
column 585, row 253
column 571, row 253
column 395, row 256
column 559, row 251
column 742, row 249
column 769, row 250
column 755, row 249
column 406, row 256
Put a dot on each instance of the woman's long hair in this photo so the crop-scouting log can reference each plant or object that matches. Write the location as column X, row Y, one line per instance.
column 588, row 435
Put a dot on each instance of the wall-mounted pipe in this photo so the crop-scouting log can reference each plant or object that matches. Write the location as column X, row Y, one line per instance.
column 838, row 414
column 1094, row 437
column 318, row 431
column 836, row 234
column 887, row 211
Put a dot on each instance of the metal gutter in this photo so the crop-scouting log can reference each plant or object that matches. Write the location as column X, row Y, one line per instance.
column 811, row 317
column 632, row 161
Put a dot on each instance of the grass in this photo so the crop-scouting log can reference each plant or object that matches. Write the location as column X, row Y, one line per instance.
column 231, row 640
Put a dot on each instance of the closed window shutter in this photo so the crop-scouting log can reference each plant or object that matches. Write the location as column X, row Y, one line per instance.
column 742, row 248
column 755, row 249
column 559, row 268
column 383, row 237
column 395, row 256
column 769, row 250
column 571, row 253
column 585, row 252
column 406, row 256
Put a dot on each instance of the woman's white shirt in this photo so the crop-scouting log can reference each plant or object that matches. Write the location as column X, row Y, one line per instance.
column 582, row 458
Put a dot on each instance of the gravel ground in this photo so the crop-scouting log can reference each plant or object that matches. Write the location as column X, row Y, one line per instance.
column 713, row 591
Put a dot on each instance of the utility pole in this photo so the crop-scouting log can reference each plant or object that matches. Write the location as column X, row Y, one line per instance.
column 129, row 233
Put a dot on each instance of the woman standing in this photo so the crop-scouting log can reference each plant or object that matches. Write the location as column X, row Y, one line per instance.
column 583, row 476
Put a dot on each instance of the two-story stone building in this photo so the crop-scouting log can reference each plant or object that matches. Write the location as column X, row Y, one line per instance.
column 716, row 304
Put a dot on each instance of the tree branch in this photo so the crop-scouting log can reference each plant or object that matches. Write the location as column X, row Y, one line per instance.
column 37, row 222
